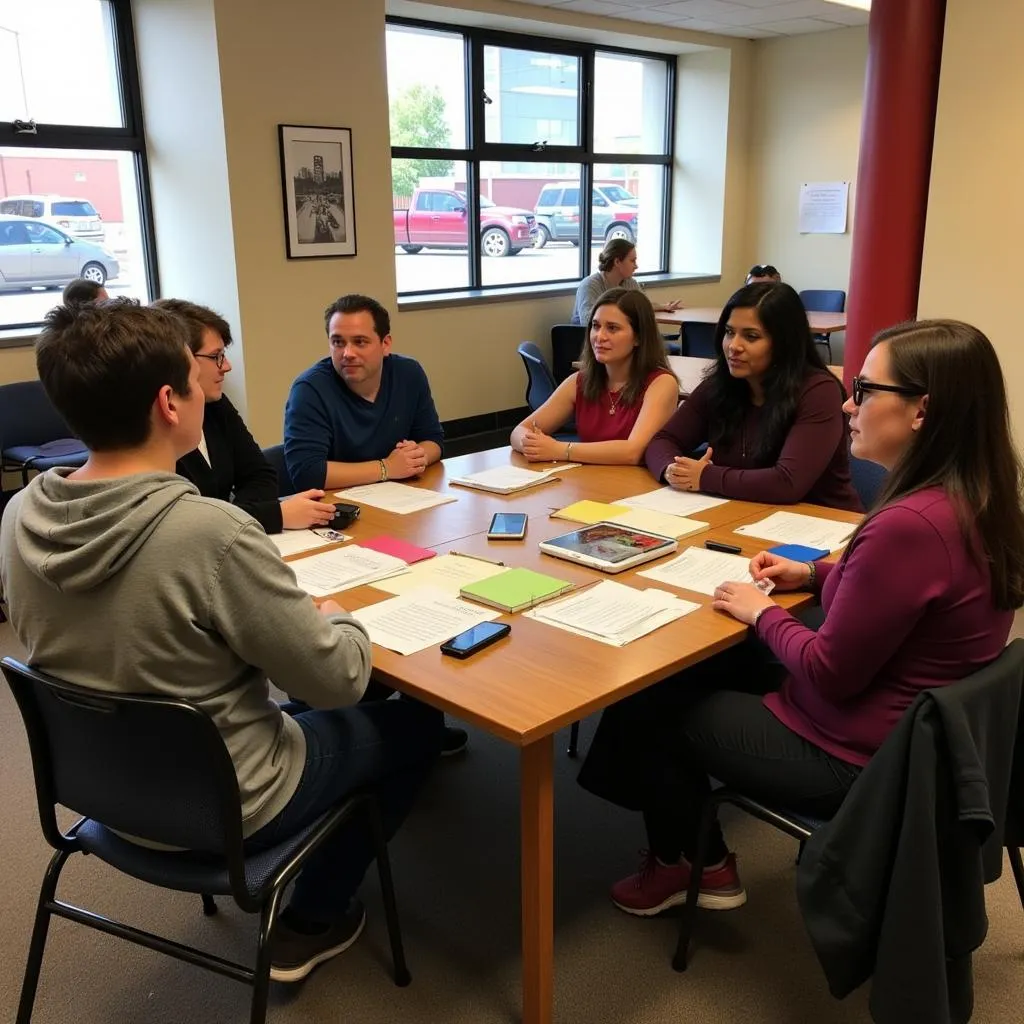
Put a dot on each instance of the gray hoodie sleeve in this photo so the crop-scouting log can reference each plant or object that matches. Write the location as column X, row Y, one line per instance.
column 268, row 621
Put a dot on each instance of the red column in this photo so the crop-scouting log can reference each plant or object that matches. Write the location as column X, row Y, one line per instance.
column 897, row 128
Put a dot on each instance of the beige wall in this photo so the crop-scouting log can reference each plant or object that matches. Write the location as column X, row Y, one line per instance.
column 975, row 206
column 805, row 126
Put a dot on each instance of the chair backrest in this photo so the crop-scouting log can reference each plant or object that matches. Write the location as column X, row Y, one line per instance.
column 148, row 766
column 868, row 478
column 699, row 340
column 824, row 300
column 540, row 385
column 27, row 417
column 275, row 456
column 567, row 342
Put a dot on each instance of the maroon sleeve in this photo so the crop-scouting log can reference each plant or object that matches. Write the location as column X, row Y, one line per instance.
column 687, row 429
column 806, row 453
column 897, row 565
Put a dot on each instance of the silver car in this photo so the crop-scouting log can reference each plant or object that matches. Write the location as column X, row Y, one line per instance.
column 33, row 253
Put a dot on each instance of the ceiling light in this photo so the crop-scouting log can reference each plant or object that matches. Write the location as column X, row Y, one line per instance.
column 861, row 5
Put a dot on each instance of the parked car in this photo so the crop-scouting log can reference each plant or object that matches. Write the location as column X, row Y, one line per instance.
column 558, row 213
column 436, row 219
column 33, row 253
column 72, row 214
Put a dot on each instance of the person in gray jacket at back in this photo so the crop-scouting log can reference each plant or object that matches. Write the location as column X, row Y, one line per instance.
column 120, row 576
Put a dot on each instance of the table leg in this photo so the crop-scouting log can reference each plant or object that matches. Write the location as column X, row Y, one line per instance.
column 537, row 865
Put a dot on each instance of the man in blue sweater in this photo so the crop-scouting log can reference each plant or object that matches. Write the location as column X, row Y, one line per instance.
column 362, row 414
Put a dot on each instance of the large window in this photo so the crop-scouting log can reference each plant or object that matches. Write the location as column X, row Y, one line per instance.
column 73, row 193
column 507, row 132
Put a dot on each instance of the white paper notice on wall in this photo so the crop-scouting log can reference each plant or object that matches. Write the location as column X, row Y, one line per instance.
column 823, row 207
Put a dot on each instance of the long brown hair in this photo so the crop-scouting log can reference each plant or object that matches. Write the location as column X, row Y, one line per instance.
column 964, row 444
column 649, row 354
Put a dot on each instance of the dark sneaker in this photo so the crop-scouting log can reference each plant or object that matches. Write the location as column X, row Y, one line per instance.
column 293, row 955
column 656, row 887
column 454, row 740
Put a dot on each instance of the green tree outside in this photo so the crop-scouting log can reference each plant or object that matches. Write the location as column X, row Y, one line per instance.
column 417, row 119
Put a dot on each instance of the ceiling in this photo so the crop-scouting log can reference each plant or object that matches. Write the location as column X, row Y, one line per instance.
column 747, row 19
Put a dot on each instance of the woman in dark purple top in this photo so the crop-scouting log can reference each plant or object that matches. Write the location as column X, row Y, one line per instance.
column 770, row 410
column 923, row 596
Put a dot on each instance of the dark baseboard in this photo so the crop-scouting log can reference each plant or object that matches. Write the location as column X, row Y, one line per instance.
column 478, row 433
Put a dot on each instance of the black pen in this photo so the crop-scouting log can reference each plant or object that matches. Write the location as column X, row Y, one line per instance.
column 717, row 545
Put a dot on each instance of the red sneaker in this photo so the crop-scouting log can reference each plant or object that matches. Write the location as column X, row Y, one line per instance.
column 656, row 887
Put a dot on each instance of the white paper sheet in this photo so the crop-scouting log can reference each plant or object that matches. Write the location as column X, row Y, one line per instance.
column 448, row 573
column 506, row 479
column 420, row 619
column 796, row 528
column 673, row 502
column 394, row 497
column 343, row 568
column 701, row 570
column 294, row 542
column 823, row 207
column 659, row 522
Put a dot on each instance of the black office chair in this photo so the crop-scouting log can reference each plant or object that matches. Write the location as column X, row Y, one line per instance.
column 158, row 769
column 540, row 384
column 567, row 342
column 699, row 340
column 824, row 300
column 275, row 456
column 33, row 435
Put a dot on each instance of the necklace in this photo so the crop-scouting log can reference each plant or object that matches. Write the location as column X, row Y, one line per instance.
column 613, row 400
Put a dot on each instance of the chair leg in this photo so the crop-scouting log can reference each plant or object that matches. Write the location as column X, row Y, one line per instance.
column 209, row 905
column 688, row 918
column 1018, row 870
column 574, row 740
column 261, row 971
column 39, row 931
column 387, row 888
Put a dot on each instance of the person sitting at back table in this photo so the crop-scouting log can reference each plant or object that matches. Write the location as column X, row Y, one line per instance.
column 616, row 265
column 204, row 610
column 922, row 597
column 623, row 392
column 229, row 464
column 769, row 410
column 763, row 273
column 81, row 290
column 362, row 414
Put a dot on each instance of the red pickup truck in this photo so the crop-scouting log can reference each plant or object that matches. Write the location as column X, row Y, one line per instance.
column 436, row 219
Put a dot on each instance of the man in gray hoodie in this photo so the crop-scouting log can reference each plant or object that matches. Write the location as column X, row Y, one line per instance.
column 119, row 576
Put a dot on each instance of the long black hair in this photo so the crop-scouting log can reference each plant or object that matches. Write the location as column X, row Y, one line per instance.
column 794, row 355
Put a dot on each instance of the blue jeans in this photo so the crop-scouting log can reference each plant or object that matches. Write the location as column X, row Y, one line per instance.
column 387, row 746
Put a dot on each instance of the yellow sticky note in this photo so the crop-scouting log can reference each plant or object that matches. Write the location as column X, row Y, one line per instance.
column 589, row 512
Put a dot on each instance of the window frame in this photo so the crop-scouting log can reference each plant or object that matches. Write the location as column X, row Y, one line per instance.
column 479, row 151
column 130, row 137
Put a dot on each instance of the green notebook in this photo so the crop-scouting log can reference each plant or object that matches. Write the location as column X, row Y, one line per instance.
column 515, row 589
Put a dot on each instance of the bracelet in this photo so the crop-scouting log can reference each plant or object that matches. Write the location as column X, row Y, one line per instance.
column 757, row 615
column 383, row 471
column 813, row 578
column 568, row 451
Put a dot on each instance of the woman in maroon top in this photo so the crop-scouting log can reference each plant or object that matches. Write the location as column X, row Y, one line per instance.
column 923, row 596
column 770, row 411
column 623, row 393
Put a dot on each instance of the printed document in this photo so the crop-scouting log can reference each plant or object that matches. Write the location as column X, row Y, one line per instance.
column 344, row 568
column 394, row 497
column 701, row 570
column 673, row 502
column 795, row 528
column 448, row 573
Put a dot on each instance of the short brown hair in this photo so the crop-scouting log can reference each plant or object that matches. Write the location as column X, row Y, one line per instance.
column 614, row 249
column 81, row 290
column 197, row 317
column 103, row 366
column 360, row 304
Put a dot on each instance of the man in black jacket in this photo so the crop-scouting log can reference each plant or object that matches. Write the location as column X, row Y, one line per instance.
column 229, row 464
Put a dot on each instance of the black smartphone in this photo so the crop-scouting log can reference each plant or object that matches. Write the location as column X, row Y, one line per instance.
column 476, row 639
column 507, row 526
column 344, row 514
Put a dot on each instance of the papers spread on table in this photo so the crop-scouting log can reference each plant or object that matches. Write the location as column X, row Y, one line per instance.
column 449, row 573
column 701, row 570
column 660, row 522
column 795, row 528
column 394, row 497
column 507, row 479
column 343, row 568
column 420, row 619
column 589, row 512
column 673, row 502
column 515, row 589
column 612, row 612
column 294, row 542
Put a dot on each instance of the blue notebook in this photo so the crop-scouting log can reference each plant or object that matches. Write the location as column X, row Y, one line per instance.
column 798, row 552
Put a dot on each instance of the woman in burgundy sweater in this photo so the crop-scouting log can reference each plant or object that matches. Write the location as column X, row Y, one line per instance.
column 770, row 411
column 623, row 393
column 923, row 596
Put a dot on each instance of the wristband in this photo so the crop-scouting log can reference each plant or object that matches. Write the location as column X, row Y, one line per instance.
column 813, row 578
column 568, row 452
column 757, row 616
column 383, row 470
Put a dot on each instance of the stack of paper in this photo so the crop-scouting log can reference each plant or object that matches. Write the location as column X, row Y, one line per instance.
column 294, row 542
column 449, row 573
column 515, row 589
column 660, row 522
column 673, row 502
column 589, row 512
column 794, row 528
column 507, row 479
column 613, row 613
column 420, row 619
column 395, row 497
column 701, row 570
column 343, row 568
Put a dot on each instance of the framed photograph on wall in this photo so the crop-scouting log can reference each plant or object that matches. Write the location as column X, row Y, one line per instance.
column 316, row 176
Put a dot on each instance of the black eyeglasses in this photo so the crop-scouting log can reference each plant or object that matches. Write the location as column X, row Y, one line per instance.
column 218, row 358
column 860, row 386
column 763, row 270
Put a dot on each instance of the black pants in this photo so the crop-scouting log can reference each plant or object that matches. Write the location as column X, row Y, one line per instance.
column 656, row 751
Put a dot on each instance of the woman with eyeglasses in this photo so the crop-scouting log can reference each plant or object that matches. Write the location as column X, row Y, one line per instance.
column 923, row 596
column 229, row 464
column 769, row 410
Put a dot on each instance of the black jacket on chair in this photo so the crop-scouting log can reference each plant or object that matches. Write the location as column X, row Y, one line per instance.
column 237, row 471
column 893, row 886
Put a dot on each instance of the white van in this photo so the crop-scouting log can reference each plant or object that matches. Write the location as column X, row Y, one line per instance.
column 72, row 214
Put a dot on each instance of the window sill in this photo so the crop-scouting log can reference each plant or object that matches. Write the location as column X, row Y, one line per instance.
column 18, row 337
column 528, row 292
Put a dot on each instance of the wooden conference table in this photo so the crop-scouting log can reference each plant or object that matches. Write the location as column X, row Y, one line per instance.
column 821, row 323
column 541, row 679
